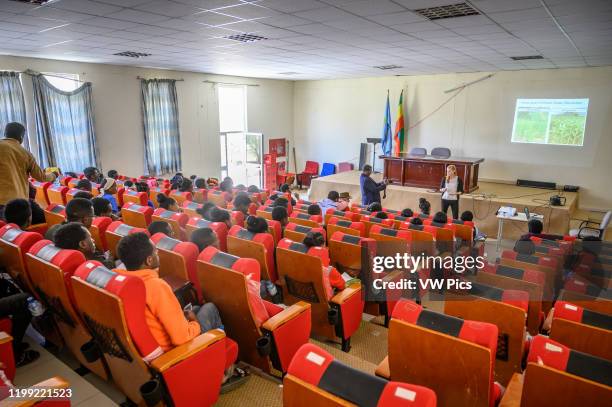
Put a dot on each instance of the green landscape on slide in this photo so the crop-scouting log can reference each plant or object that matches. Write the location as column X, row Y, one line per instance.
column 566, row 128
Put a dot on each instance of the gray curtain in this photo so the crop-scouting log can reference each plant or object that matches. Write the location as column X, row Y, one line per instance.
column 12, row 105
column 65, row 126
column 161, row 126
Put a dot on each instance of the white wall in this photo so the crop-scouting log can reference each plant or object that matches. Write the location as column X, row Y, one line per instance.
column 117, row 109
column 332, row 117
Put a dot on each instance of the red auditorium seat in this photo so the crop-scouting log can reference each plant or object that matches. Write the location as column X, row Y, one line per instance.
column 137, row 215
column 258, row 246
column 190, row 208
column 153, row 192
column 98, row 231
column 181, row 197
column 115, row 231
column 311, row 170
column 219, row 197
column 131, row 196
column 114, row 307
column 41, row 192
column 55, row 214
column 200, row 195
column 305, row 219
column 219, row 228
column 14, row 245
column 176, row 220
column 297, row 232
column 343, row 225
column 315, row 378
column 267, row 335
column 57, row 194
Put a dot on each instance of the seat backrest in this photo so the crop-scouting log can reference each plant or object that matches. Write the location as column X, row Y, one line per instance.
column 219, row 197
column 131, row 196
column 390, row 241
column 331, row 212
column 98, row 231
column 258, row 246
column 345, row 252
column 153, row 192
column 219, row 228
column 191, row 208
column 265, row 212
column 200, row 195
column 315, row 378
column 41, row 192
column 113, row 307
column 417, row 337
column 370, row 221
column 14, row 245
column 137, row 215
column 181, row 197
column 328, row 169
column 344, row 166
column 116, row 230
column 275, row 229
column 306, row 219
column 55, row 214
column 312, row 167
column 597, row 304
column 418, row 151
column 441, row 152
column 345, row 226
column 297, row 232
column 176, row 220
column 57, row 194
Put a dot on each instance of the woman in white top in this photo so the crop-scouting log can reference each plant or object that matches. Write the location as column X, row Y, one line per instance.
column 451, row 187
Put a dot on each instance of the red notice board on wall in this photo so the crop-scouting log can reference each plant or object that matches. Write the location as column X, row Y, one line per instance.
column 277, row 146
column 270, row 172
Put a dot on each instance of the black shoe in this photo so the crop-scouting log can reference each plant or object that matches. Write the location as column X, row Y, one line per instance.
column 26, row 358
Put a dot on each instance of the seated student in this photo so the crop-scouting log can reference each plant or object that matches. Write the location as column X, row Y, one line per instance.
column 167, row 203
column 314, row 209
column 204, row 237
column 84, row 195
column 109, row 189
column 74, row 236
column 468, row 216
column 144, row 187
column 128, row 184
column 168, row 323
column 77, row 210
column 253, row 189
column 159, row 226
column 241, row 187
column 19, row 212
column 212, row 182
column 38, row 214
column 416, row 221
column 176, row 180
column 281, row 201
column 256, row 224
column 103, row 207
column 440, row 218
column 186, row 185
column 84, row 185
column 524, row 246
column 332, row 278
column 227, row 185
column 204, row 211
column 374, row 207
column 332, row 201
column 424, row 206
column 535, row 227
column 241, row 203
column 92, row 174
column 200, row 183
column 280, row 214
column 113, row 174
column 345, row 198
column 287, row 190
column 407, row 213
column 220, row 215
column 382, row 215
column 192, row 177
column 15, row 307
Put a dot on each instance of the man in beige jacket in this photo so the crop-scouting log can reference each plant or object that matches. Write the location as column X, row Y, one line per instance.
column 16, row 166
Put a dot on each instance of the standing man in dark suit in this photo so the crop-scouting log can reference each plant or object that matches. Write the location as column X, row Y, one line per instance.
column 370, row 189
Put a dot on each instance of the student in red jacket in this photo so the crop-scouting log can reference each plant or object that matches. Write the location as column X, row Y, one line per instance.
column 333, row 279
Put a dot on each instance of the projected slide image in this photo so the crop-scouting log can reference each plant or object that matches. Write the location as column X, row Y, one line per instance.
column 550, row 121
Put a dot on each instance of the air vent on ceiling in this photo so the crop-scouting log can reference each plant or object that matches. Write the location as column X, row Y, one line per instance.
column 449, row 11
column 288, row 73
column 33, row 2
column 522, row 58
column 387, row 67
column 245, row 37
column 132, row 54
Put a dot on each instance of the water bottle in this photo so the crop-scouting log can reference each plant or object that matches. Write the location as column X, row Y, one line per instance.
column 35, row 307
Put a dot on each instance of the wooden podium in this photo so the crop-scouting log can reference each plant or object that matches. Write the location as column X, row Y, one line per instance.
column 427, row 171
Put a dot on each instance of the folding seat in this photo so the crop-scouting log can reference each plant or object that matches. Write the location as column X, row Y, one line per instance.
column 348, row 215
column 258, row 246
column 507, row 309
column 131, row 196
column 64, row 180
column 512, row 278
column 581, row 329
column 300, row 208
column 561, row 246
column 311, row 170
column 200, row 195
column 41, row 192
column 55, row 214
column 98, row 231
column 72, row 182
column 265, row 212
column 276, row 230
column 71, row 193
column 237, row 218
column 343, row 225
column 153, row 192
column 395, row 241
column 559, row 376
column 268, row 335
column 315, row 378
column 115, row 231
column 181, row 197
column 369, row 221
column 219, row 197
column 113, row 306
column 305, row 202
column 219, row 228
column 301, row 272
column 579, row 284
column 190, row 208
column 421, row 238
column 50, row 270
column 423, row 344
column 176, row 220
column 14, row 245
column 57, row 194
column 297, row 233
column 306, row 219
column 549, row 265
column 399, row 220
column 136, row 215
column 597, row 304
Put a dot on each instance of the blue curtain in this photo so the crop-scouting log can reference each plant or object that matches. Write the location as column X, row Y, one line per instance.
column 161, row 126
column 12, row 105
column 65, row 126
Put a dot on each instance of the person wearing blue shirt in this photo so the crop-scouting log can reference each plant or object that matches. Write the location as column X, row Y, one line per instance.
column 109, row 186
column 370, row 189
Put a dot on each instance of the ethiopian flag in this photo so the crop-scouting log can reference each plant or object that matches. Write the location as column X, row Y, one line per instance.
column 398, row 136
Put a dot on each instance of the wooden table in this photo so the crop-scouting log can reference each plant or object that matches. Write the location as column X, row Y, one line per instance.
column 427, row 171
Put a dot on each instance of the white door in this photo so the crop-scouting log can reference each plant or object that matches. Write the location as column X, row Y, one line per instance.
column 241, row 157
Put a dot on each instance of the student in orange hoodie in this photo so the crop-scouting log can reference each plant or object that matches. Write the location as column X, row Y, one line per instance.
column 169, row 324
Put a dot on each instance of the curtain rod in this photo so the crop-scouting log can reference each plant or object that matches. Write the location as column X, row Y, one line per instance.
column 33, row 73
column 230, row 83
column 176, row 80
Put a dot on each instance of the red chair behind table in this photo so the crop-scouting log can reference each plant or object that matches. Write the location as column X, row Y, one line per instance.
column 344, row 167
column 98, row 231
column 41, row 192
column 137, row 215
column 50, row 270
column 219, row 228
column 55, row 214
column 57, row 194
column 114, row 306
column 131, row 196
column 268, row 336
column 315, row 378
column 301, row 271
column 311, row 170
column 115, row 231
column 176, row 220
column 258, row 246
column 14, row 245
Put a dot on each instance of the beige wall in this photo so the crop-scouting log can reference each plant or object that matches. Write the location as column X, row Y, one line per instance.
column 332, row 117
column 118, row 123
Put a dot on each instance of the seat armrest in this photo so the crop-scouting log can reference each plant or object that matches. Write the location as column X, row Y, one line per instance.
column 382, row 370
column 513, row 393
column 285, row 315
column 5, row 338
column 186, row 350
column 345, row 294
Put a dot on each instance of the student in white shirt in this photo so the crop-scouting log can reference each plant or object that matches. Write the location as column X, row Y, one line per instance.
column 451, row 187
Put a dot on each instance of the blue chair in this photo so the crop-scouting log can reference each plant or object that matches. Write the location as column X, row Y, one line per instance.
column 328, row 169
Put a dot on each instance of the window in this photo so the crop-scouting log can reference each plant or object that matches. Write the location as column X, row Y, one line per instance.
column 232, row 108
column 66, row 82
